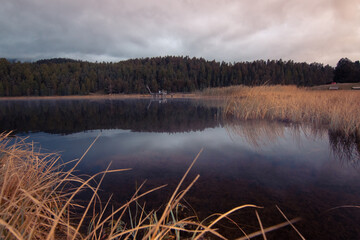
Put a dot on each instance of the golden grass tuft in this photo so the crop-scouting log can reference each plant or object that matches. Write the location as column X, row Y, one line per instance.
column 31, row 195
column 338, row 110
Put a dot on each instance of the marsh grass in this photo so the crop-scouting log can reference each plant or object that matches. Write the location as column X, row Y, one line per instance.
column 221, row 91
column 38, row 201
column 337, row 110
column 29, row 199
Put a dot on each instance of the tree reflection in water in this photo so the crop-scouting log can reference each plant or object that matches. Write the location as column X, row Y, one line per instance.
column 71, row 116
column 171, row 116
column 260, row 133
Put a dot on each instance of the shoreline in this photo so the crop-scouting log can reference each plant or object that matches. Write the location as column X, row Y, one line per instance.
column 103, row 96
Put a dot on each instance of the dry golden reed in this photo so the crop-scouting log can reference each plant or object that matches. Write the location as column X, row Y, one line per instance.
column 338, row 110
column 29, row 197
column 221, row 91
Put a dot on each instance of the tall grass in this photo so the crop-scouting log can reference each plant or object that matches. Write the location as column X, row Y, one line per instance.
column 221, row 91
column 31, row 193
column 37, row 201
column 338, row 110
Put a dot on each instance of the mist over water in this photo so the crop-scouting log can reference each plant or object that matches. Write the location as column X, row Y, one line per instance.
column 304, row 171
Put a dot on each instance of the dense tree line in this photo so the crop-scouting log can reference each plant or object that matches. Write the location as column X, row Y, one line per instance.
column 175, row 74
column 347, row 71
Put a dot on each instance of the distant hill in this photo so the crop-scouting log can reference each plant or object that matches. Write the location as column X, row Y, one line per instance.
column 56, row 60
column 22, row 60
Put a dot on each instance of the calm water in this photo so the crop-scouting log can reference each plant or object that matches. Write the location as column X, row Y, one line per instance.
column 304, row 171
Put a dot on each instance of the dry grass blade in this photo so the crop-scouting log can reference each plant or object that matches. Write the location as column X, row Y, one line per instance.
column 122, row 208
column 84, row 184
column 292, row 225
column 343, row 206
column 261, row 226
column 91, row 201
column 269, row 229
column 77, row 162
column 170, row 202
column 11, row 229
column 224, row 215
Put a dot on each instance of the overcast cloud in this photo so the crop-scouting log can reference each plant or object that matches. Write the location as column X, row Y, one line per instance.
column 225, row 30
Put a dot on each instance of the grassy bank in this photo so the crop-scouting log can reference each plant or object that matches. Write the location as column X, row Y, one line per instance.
column 338, row 110
column 38, row 201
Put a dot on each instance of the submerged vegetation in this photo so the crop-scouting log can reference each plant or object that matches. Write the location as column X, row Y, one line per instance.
column 336, row 110
column 38, row 201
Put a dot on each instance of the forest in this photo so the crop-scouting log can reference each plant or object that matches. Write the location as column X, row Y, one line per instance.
column 60, row 76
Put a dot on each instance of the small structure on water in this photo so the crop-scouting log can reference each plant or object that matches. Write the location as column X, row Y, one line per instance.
column 160, row 94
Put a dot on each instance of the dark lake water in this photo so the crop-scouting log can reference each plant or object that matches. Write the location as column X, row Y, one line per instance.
column 304, row 171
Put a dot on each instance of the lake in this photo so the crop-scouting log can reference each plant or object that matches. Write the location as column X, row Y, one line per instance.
column 308, row 172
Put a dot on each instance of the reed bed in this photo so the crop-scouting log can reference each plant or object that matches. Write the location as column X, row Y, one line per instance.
column 37, row 201
column 337, row 110
column 221, row 91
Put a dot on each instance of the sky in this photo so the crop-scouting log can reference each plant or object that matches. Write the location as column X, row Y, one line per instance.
column 320, row 31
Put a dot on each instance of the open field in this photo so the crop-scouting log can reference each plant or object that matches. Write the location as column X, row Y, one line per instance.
column 338, row 110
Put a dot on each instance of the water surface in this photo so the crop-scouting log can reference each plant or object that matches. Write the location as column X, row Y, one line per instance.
column 304, row 171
